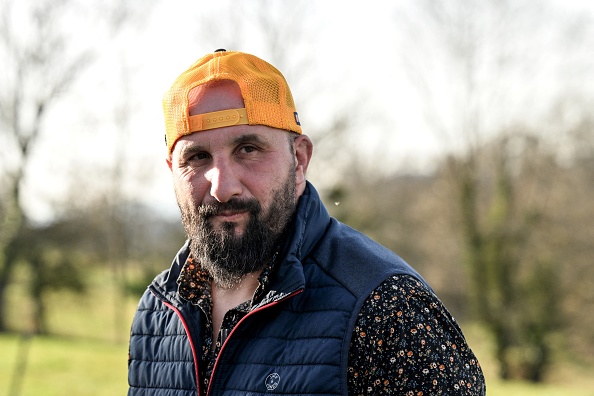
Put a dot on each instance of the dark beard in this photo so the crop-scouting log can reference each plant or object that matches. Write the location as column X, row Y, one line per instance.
column 228, row 257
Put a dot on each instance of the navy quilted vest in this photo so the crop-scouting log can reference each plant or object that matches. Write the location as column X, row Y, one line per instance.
column 295, row 342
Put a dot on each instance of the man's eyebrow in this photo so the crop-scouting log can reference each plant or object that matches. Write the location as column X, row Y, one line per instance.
column 195, row 147
column 250, row 138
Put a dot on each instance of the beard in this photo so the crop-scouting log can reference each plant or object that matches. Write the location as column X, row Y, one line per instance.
column 226, row 255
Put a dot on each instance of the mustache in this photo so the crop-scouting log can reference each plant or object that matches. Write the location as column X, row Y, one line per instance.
column 234, row 205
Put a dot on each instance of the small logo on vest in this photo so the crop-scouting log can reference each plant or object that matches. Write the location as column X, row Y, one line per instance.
column 272, row 381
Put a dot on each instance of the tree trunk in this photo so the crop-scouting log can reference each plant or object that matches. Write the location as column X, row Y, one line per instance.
column 10, row 259
column 38, row 285
column 10, row 233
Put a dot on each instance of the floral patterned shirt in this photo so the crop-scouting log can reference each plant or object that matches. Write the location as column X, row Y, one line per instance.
column 404, row 343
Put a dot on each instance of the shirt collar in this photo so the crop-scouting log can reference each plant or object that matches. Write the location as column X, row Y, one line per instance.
column 194, row 283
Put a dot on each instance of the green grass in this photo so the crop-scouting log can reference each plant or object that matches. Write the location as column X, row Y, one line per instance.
column 87, row 353
column 62, row 366
column 498, row 388
column 565, row 376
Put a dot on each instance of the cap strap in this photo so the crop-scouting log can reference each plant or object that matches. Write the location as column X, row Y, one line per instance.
column 217, row 119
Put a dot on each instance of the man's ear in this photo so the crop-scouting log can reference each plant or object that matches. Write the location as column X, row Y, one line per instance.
column 303, row 147
column 169, row 162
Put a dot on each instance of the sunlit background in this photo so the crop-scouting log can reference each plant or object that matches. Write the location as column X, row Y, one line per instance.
column 458, row 133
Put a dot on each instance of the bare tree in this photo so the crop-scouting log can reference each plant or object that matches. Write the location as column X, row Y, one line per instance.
column 478, row 81
column 42, row 58
column 39, row 67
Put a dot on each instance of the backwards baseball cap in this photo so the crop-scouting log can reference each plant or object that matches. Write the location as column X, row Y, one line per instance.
column 267, row 97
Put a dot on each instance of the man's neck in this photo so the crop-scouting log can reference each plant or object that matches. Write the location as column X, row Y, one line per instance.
column 224, row 300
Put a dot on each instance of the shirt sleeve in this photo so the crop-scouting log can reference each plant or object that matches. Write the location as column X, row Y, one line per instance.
column 405, row 342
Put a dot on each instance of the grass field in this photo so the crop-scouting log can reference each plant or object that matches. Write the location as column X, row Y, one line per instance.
column 62, row 366
column 88, row 356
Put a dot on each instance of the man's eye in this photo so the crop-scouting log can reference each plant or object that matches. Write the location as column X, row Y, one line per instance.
column 198, row 157
column 247, row 149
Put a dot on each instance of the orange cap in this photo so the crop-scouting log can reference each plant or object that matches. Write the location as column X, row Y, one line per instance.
column 267, row 97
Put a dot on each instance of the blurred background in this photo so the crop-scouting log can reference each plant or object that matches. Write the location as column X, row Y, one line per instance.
column 460, row 134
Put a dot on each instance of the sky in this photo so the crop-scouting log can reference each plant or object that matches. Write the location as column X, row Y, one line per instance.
column 346, row 55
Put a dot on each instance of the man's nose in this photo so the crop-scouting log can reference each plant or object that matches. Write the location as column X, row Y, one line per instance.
column 224, row 182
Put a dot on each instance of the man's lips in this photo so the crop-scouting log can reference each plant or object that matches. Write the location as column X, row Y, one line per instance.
column 228, row 215
column 232, row 211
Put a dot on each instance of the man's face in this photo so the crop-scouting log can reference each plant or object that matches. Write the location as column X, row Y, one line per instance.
column 237, row 191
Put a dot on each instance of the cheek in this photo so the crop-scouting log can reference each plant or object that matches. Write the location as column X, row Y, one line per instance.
column 189, row 186
column 266, row 187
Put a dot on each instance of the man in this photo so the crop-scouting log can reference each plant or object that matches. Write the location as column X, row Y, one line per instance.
column 270, row 295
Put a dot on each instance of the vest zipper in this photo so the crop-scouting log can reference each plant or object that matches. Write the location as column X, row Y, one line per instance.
column 214, row 369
